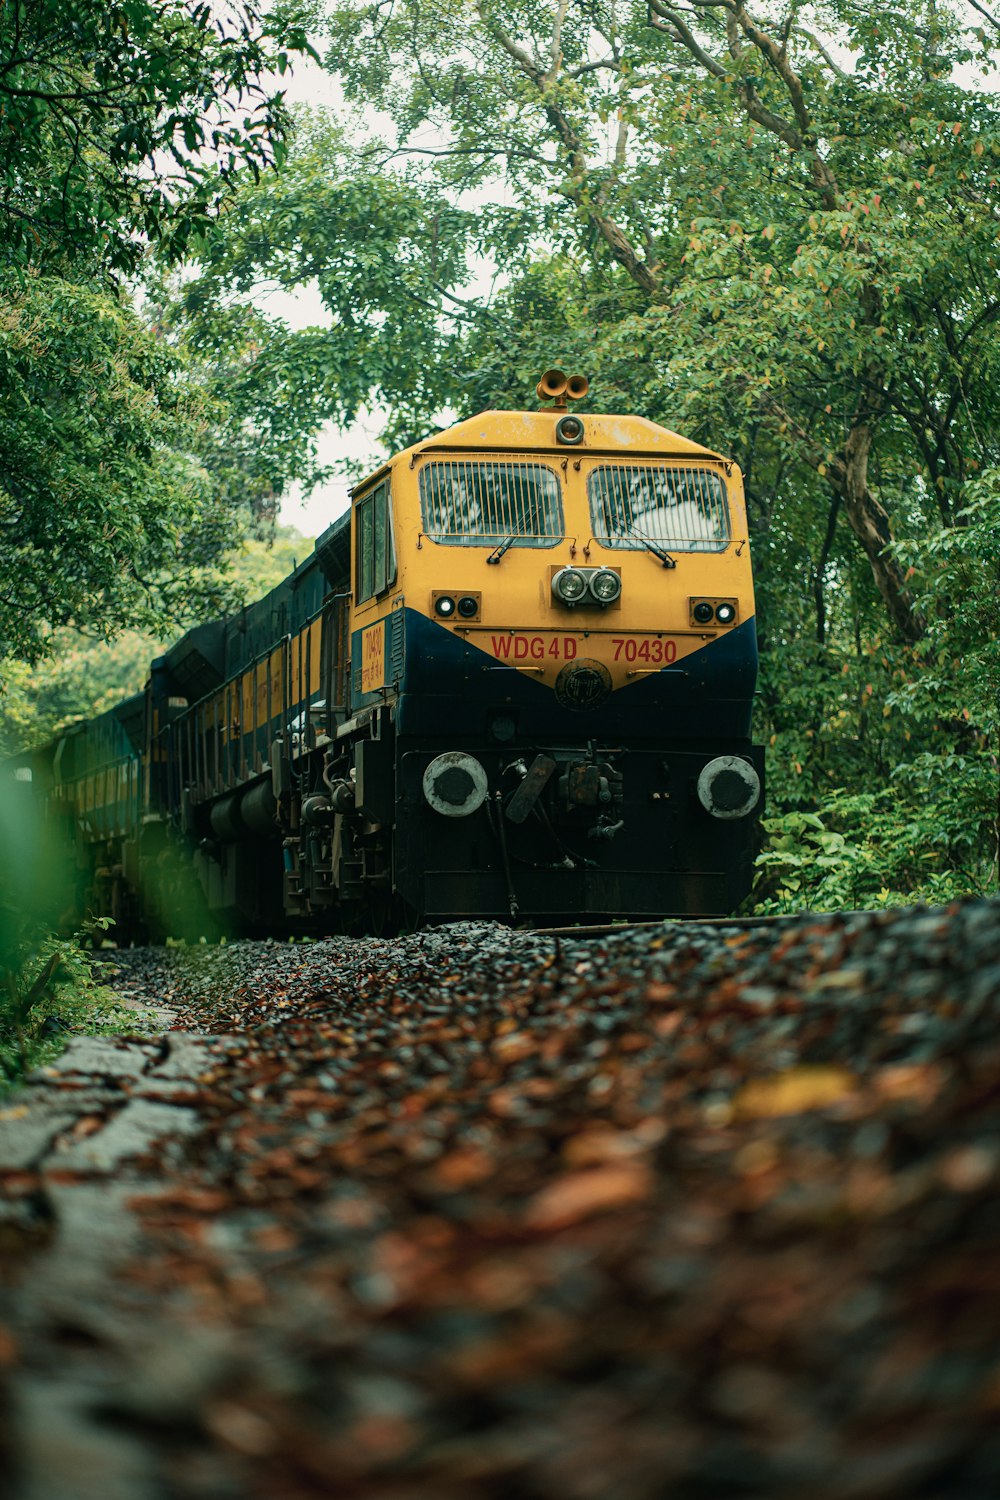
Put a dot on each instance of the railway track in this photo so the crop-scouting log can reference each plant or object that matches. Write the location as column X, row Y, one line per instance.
column 784, row 919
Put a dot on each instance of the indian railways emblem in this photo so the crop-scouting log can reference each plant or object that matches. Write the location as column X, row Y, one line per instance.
column 583, row 684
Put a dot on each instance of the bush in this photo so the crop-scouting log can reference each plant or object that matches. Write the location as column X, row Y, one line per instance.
column 49, row 987
column 884, row 760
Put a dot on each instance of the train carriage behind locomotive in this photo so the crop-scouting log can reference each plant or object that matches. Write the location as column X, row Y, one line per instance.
column 514, row 680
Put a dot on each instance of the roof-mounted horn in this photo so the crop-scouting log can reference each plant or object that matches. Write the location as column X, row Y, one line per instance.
column 556, row 387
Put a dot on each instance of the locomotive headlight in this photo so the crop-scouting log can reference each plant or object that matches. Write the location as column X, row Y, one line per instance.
column 569, row 585
column 605, row 585
column 444, row 605
column 725, row 613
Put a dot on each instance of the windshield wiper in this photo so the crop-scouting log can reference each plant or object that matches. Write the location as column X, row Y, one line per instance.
column 665, row 558
column 509, row 541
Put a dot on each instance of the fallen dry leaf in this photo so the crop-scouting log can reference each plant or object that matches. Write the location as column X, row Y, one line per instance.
column 580, row 1195
column 793, row 1092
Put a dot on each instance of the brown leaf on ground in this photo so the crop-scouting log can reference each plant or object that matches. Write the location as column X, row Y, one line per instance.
column 580, row 1195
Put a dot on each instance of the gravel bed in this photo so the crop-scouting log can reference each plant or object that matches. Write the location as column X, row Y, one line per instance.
column 683, row 1212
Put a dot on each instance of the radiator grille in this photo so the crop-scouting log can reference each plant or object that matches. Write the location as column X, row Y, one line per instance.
column 682, row 509
column 481, row 503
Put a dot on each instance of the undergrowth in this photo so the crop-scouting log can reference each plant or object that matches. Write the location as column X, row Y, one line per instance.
column 51, row 991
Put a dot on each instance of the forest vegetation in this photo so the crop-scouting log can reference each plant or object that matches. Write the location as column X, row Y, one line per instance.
column 768, row 225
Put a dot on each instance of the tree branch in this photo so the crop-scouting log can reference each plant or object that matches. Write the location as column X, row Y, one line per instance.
column 985, row 13
column 824, row 54
column 614, row 175
column 555, row 52
column 680, row 31
column 618, row 243
column 513, row 49
column 795, row 135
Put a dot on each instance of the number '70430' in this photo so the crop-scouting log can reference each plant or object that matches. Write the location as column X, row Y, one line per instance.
column 654, row 650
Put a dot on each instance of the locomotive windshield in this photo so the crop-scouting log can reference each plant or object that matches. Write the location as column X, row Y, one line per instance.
column 683, row 510
column 480, row 503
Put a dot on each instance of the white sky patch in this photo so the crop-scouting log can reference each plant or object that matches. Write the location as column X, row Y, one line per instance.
column 337, row 447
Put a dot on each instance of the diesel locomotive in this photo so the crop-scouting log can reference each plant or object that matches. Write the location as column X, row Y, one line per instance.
column 514, row 681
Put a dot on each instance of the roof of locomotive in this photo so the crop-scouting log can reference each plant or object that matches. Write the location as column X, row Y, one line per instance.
column 525, row 432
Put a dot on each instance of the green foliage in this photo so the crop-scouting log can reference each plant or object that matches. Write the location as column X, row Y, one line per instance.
column 956, row 571
column 381, row 254
column 100, row 496
column 125, row 123
column 51, row 990
column 122, row 127
column 917, row 840
column 884, row 761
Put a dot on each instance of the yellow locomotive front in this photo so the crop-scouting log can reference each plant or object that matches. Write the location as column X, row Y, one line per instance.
column 553, row 646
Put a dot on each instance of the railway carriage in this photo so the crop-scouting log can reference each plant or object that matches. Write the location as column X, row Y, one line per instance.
column 514, row 681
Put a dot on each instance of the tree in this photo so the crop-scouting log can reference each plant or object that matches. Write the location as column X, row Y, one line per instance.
column 121, row 128
column 383, row 254
column 124, row 123
column 100, row 497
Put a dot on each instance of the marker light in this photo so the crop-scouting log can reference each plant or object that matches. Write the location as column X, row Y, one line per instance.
column 569, row 585
column 725, row 613
column 569, row 430
column 702, row 612
column 468, row 607
column 605, row 585
column 444, row 606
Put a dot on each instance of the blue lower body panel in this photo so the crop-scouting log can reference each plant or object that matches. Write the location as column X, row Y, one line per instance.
column 650, row 849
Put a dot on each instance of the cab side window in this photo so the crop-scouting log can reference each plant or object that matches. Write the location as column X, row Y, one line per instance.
column 376, row 562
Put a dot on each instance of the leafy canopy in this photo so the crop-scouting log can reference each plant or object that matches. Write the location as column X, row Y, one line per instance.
column 100, row 496
column 124, row 124
column 122, row 128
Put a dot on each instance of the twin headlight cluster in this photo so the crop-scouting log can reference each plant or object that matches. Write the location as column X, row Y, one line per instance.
column 582, row 586
column 586, row 586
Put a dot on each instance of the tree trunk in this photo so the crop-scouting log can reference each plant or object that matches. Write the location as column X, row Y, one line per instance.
column 870, row 524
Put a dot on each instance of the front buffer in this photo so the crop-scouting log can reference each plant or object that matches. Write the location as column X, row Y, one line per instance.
column 527, row 808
